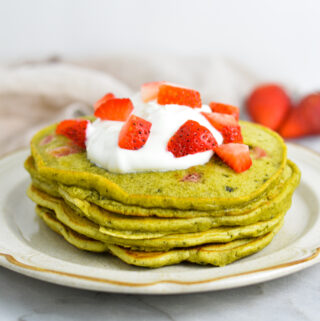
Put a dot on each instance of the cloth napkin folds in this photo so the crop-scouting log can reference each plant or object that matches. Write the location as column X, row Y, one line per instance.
column 33, row 95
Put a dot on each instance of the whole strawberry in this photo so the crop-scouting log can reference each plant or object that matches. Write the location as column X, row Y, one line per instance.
column 268, row 105
column 303, row 119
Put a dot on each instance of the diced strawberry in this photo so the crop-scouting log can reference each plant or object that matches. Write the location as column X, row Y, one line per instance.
column 104, row 99
column 225, row 109
column 75, row 129
column 117, row 109
column 268, row 105
column 134, row 133
column 65, row 151
column 191, row 138
column 192, row 178
column 258, row 152
column 46, row 140
column 227, row 125
column 232, row 134
column 149, row 90
column 237, row 156
column 172, row 94
column 220, row 121
column 303, row 119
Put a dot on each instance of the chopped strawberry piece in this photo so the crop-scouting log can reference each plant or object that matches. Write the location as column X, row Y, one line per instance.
column 65, row 151
column 258, row 152
column 149, row 90
column 191, row 138
column 232, row 134
column 46, row 140
column 104, row 99
column 134, row 133
column 193, row 178
column 172, row 94
column 269, row 105
column 220, row 121
column 75, row 129
column 227, row 125
column 303, row 119
column 225, row 109
column 117, row 109
column 237, row 156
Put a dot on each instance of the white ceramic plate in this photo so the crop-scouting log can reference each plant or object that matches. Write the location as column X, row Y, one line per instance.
column 27, row 246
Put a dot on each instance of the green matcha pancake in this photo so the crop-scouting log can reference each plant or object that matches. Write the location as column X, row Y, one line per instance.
column 273, row 202
column 216, row 187
column 214, row 254
column 151, row 241
column 207, row 214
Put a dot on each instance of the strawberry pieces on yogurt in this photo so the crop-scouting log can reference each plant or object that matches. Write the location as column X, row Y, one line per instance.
column 74, row 129
column 104, row 99
column 117, row 109
column 172, row 94
column 225, row 109
column 236, row 156
column 227, row 125
column 168, row 94
column 134, row 133
column 150, row 90
column 191, row 138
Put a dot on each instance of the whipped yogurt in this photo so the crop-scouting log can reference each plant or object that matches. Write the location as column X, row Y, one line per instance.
column 102, row 140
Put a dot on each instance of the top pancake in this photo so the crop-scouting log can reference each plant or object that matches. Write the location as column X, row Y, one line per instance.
column 217, row 185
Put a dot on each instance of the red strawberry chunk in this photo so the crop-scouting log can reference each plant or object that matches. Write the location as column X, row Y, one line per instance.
column 258, row 152
column 171, row 94
column 117, row 109
column 191, row 138
column 225, row 109
column 134, row 133
column 46, row 140
column 75, row 129
column 269, row 105
column 149, row 90
column 232, row 134
column 227, row 125
column 104, row 99
column 237, row 156
column 65, row 151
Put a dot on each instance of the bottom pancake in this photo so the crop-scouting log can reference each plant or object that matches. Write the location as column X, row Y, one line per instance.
column 214, row 254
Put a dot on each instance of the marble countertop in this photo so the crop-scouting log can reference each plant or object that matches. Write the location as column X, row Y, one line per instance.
column 295, row 297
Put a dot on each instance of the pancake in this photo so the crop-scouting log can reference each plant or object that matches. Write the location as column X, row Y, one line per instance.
column 275, row 199
column 214, row 254
column 76, row 193
column 218, row 187
column 82, row 225
column 206, row 214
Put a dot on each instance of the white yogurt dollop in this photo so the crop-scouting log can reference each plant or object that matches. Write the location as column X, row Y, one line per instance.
column 102, row 140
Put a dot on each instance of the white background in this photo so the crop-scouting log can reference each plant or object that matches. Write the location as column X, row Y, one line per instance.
column 279, row 39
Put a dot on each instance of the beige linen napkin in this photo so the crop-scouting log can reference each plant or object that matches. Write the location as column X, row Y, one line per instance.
column 35, row 94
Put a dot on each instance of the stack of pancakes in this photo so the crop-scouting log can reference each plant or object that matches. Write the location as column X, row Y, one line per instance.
column 206, row 214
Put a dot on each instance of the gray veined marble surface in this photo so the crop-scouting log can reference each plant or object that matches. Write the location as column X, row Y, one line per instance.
column 295, row 297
